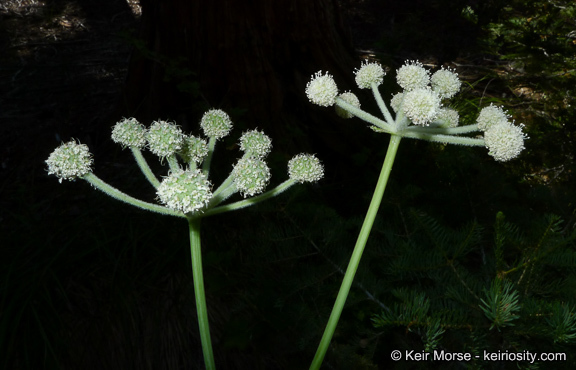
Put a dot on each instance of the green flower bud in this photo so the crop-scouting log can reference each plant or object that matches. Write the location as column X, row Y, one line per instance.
column 251, row 176
column 164, row 138
column 185, row 190
column 129, row 133
column 194, row 149
column 305, row 168
column 70, row 161
column 216, row 123
column 255, row 144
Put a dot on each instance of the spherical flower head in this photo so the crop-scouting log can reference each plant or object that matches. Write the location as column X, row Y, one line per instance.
column 129, row 133
column 504, row 141
column 368, row 74
column 490, row 116
column 255, row 144
column 448, row 117
column 194, row 149
column 322, row 89
column 70, row 161
column 412, row 75
column 305, row 168
column 446, row 83
column 251, row 175
column 396, row 101
column 421, row 106
column 164, row 138
column 351, row 99
column 216, row 123
column 185, row 190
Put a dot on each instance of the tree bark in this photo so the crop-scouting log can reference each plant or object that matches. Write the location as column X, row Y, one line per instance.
column 255, row 55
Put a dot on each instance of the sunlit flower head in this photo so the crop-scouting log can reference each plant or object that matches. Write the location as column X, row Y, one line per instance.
column 490, row 116
column 446, row 83
column 251, row 176
column 129, row 133
column 194, row 149
column 185, row 190
column 216, row 123
column 504, row 141
column 412, row 75
column 322, row 89
column 448, row 117
column 255, row 144
column 368, row 74
column 70, row 161
column 164, row 138
column 421, row 106
column 305, row 168
column 351, row 99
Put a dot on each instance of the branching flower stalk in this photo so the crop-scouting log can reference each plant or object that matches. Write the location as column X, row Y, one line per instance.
column 417, row 112
column 185, row 191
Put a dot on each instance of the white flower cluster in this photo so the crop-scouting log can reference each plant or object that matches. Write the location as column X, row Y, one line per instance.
column 194, row 149
column 164, row 138
column 129, row 133
column 412, row 75
column 368, row 74
column 305, row 168
column 251, row 176
column 70, row 161
column 255, row 144
column 216, row 123
column 186, row 191
column 322, row 89
column 503, row 139
column 351, row 99
column 423, row 94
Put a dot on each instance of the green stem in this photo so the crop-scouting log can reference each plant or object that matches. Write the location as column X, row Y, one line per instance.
column 444, row 130
column 202, row 311
column 173, row 162
column 250, row 201
column 381, row 103
column 208, row 159
column 365, row 116
column 446, row 139
column 144, row 167
column 357, row 253
column 123, row 197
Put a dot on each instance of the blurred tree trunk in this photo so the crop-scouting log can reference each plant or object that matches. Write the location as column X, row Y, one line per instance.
column 255, row 55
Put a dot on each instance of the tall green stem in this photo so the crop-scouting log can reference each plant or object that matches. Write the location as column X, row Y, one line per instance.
column 202, row 311
column 357, row 253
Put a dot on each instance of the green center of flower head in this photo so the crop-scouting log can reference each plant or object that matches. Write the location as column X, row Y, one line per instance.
column 185, row 190
column 70, row 161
